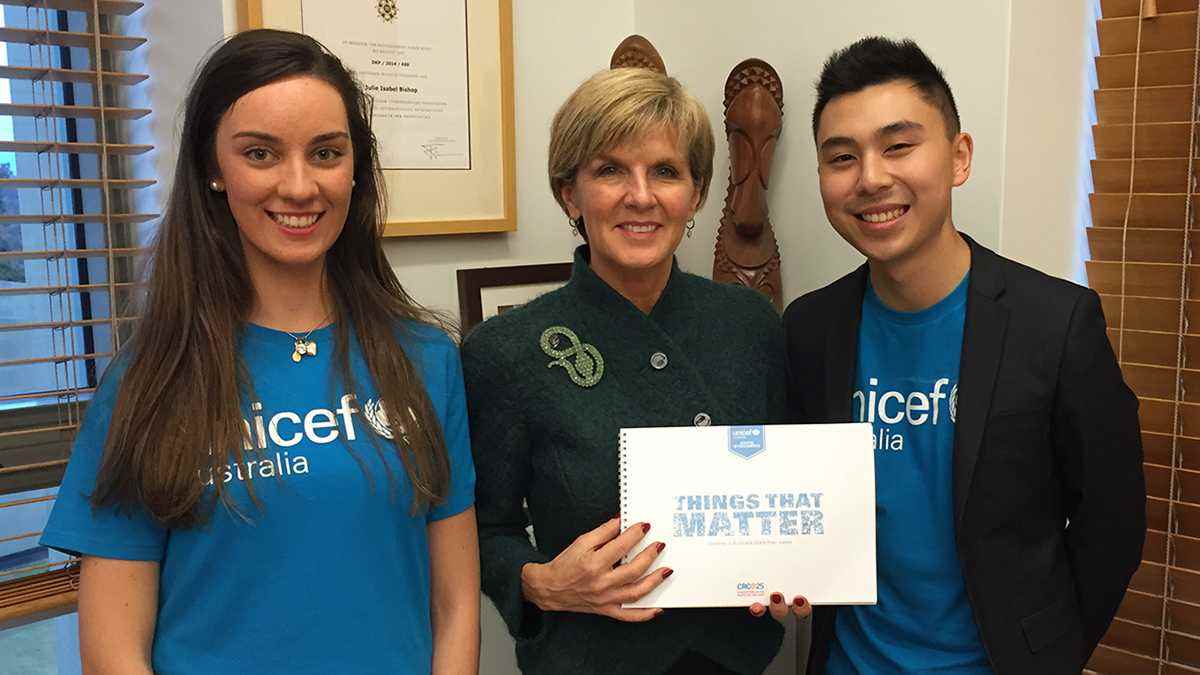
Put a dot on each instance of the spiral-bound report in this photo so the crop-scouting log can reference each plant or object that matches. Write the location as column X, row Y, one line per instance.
column 751, row 510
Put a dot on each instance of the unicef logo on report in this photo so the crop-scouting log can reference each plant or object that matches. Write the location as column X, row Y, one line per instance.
column 748, row 441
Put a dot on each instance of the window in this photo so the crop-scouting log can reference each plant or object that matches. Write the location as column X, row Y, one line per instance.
column 69, row 242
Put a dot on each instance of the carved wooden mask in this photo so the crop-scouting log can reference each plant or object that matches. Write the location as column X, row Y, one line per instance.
column 753, row 120
column 636, row 51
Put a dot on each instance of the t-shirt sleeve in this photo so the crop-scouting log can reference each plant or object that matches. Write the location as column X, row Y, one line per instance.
column 451, row 406
column 78, row 529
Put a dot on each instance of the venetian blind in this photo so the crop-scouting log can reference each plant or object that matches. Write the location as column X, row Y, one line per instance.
column 1142, row 240
column 68, row 242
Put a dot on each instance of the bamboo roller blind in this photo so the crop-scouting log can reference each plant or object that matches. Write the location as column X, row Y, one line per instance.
column 71, row 195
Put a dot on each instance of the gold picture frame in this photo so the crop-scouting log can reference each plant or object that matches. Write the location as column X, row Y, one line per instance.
column 431, row 202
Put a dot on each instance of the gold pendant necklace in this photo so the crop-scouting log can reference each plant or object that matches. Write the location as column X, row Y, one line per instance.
column 303, row 346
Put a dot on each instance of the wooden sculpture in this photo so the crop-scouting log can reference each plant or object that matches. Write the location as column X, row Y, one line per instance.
column 636, row 51
column 746, row 252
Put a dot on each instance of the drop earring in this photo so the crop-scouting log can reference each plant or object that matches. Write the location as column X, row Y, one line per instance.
column 216, row 185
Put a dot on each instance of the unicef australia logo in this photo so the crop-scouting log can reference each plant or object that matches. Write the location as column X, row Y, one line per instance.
column 377, row 417
column 746, row 442
column 387, row 10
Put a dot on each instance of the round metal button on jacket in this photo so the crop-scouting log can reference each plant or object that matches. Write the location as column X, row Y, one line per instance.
column 702, row 420
column 658, row 360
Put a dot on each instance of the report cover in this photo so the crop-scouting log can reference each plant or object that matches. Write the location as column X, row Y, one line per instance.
column 746, row 511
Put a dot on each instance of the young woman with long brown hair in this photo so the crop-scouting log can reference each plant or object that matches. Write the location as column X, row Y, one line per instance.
column 275, row 474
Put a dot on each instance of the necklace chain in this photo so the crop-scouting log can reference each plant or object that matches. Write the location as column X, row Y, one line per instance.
column 305, row 336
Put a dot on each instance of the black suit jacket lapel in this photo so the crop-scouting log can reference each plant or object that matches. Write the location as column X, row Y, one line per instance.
column 841, row 349
column 983, row 345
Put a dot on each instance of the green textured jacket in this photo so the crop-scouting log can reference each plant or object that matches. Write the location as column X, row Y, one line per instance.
column 706, row 354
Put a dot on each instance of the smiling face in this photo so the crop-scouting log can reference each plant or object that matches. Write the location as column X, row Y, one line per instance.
column 635, row 201
column 286, row 162
column 887, row 167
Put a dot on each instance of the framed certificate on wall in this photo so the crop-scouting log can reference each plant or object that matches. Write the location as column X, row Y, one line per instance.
column 441, row 78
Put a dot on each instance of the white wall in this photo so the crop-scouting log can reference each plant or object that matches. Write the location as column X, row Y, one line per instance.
column 967, row 39
column 1049, row 135
column 1020, row 70
column 560, row 43
column 179, row 37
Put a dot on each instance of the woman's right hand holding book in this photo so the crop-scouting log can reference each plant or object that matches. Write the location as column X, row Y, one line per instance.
column 588, row 575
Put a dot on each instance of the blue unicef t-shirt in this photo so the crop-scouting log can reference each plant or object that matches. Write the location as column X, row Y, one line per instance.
column 907, row 387
column 332, row 574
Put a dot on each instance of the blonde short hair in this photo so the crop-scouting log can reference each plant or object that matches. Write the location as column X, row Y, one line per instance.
column 622, row 104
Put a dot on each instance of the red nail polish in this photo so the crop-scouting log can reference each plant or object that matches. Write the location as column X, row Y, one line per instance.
column 668, row 573
column 776, row 598
column 645, row 527
column 799, row 601
column 661, row 546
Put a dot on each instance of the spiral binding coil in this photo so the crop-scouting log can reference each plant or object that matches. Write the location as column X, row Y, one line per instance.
column 622, row 483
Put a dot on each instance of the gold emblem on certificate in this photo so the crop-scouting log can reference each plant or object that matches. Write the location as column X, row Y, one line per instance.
column 387, row 9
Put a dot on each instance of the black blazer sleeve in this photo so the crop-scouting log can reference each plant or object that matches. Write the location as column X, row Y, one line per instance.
column 1097, row 441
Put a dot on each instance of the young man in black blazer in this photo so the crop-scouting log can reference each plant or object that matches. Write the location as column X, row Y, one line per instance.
column 1010, row 494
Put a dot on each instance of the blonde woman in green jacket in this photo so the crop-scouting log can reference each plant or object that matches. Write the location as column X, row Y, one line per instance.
column 640, row 343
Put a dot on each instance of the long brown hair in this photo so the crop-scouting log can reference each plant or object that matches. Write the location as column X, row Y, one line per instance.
column 183, row 385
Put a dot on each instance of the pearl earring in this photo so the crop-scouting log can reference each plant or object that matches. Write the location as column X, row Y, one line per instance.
column 216, row 185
